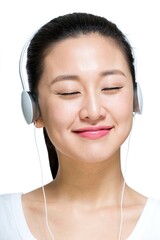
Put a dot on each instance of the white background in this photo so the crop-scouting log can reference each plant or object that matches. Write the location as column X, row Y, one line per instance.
column 140, row 20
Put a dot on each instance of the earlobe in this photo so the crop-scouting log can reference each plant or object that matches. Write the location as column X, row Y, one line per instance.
column 39, row 122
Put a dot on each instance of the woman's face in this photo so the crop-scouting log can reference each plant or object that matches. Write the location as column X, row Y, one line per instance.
column 86, row 98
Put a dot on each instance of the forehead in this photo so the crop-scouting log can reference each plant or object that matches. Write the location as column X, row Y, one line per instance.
column 89, row 50
column 88, row 40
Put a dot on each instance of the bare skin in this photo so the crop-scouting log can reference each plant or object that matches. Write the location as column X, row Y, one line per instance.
column 87, row 80
column 85, row 207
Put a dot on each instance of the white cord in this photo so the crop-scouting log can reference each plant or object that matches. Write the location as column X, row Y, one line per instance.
column 123, row 188
column 44, row 194
column 43, row 190
column 121, row 211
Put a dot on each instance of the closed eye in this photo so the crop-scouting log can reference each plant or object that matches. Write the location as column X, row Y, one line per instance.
column 68, row 93
column 112, row 89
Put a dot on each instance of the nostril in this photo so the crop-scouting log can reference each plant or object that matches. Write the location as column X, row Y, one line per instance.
column 92, row 114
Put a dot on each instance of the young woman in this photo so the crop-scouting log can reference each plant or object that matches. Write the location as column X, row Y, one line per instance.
column 83, row 93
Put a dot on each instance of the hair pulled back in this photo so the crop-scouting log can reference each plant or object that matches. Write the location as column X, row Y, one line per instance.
column 58, row 29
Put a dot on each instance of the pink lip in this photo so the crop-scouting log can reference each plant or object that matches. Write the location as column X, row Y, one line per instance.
column 93, row 133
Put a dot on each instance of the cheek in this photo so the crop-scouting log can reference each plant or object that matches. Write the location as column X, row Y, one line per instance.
column 122, row 108
column 57, row 113
column 126, row 116
column 122, row 116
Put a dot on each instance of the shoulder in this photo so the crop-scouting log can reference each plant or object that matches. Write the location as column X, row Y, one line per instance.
column 12, row 221
column 7, row 201
column 33, row 203
column 7, row 217
column 153, row 206
column 150, row 219
column 148, row 223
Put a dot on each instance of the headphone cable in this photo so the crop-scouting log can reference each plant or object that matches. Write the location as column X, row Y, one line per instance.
column 45, row 198
column 42, row 186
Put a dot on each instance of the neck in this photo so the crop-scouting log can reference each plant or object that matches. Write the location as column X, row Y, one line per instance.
column 92, row 183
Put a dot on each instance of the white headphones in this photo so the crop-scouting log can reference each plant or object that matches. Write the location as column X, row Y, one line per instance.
column 30, row 106
column 138, row 99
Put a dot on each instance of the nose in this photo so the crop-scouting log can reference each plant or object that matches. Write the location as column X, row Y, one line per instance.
column 92, row 109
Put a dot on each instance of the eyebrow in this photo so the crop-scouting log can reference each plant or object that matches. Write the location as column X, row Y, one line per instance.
column 113, row 72
column 75, row 77
column 64, row 77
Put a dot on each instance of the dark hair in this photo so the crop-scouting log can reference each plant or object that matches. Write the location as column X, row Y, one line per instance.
column 58, row 29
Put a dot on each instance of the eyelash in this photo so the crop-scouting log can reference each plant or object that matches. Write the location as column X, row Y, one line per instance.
column 111, row 88
column 76, row 92
column 67, row 93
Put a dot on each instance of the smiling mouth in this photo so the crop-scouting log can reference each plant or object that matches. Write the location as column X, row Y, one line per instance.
column 93, row 133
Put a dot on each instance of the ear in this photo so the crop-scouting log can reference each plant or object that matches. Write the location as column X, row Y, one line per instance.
column 39, row 122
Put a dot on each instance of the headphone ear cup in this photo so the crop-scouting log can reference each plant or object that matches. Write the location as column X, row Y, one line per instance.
column 29, row 107
column 138, row 100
